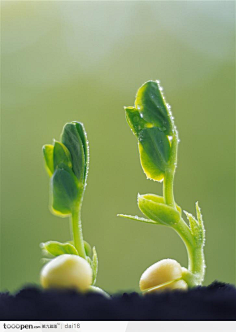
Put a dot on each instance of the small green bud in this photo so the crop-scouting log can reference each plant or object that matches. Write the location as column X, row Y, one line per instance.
column 159, row 212
column 67, row 271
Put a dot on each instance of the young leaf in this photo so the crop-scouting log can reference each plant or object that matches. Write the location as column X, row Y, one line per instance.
column 56, row 248
column 83, row 135
column 201, row 224
column 194, row 227
column 151, row 122
column 154, row 150
column 94, row 266
column 65, row 190
column 159, row 199
column 61, row 155
column 161, row 213
column 48, row 157
column 152, row 106
column 71, row 139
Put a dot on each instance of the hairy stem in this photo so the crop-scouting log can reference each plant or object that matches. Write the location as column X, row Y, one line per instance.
column 168, row 185
column 77, row 231
column 196, row 262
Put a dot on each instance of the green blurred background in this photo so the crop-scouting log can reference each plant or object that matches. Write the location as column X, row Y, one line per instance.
column 64, row 61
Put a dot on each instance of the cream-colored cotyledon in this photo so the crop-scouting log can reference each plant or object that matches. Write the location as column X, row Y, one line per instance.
column 163, row 275
column 67, row 271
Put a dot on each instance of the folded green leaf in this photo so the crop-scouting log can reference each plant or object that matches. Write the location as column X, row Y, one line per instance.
column 194, row 226
column 56, row 248
column 94, row 265
column 151, row 122
column 48, row 157
column 154, row 150
column 83, row 135
column 61, row 155
column 161, row 213
column 159, row 199
column 201, row 224
column 71, row 139
column 65, row 190
column 152, row 106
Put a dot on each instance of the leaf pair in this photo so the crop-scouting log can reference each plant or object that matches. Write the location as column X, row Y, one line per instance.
column 154, row 207
column 67, row 165
column 151, row 122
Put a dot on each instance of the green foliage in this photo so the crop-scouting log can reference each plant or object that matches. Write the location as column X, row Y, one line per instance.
column 55, row 248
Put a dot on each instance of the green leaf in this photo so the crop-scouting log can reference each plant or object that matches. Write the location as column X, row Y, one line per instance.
column 71, row 139
column 135, row 121
column 87, row 248
column 83, row 135
column 61, row 155
column 127, row 216
column 152, row 123
column 94, row 266
column 154, row 150
column 65, row 190
column 201, row 224
column 161, row 213
column 152, row 106
column 56, row 248
column 48, row 158
column 194, row 227
column 159, row 199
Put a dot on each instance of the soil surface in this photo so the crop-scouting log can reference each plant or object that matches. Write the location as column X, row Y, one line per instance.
column 215, row 302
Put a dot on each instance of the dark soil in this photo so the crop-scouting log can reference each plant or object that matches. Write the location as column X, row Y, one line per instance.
column 215, row 302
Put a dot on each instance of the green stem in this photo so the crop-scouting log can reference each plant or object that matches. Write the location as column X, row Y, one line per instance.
column 77, row 231
column 196, row 262
column 168, row 186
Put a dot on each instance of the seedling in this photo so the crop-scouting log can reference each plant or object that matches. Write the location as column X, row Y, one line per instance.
column 151, row 121
column 67, row 164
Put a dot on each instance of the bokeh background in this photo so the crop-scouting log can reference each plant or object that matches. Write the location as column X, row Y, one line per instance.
column 64, row 61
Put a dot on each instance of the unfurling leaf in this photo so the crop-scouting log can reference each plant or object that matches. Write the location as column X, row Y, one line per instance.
column 161, row 213
column 151, row 122
column 74, row 138
column 55, row 248
column 65, row 190
column 196, row 226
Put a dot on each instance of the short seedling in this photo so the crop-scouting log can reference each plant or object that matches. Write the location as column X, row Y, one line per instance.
column 152, row 123
column 72, row 264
